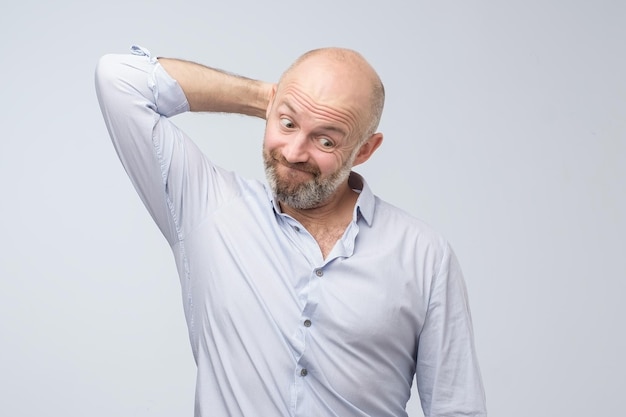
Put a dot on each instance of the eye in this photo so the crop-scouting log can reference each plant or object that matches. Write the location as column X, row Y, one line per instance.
column 326, row 143
column 286, row 123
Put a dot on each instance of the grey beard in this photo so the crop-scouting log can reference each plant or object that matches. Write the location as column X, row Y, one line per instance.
column 308, row 194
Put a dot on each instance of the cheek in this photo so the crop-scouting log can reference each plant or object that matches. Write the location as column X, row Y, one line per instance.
column 273, row 137
column 328, row 163
column 269, row 139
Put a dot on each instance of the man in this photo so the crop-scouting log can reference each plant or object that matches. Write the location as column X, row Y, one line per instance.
column 308, row 296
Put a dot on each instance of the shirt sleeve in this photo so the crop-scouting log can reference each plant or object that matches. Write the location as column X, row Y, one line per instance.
column 447, row 372
column 172, row 176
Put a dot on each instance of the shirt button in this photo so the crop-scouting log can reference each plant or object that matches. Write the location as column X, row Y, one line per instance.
column 307, row 323
column 296, row 228
column 319, row 272
column 304, row 372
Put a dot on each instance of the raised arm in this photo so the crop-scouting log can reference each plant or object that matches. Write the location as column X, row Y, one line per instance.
column 211, row 90
column 138, row 95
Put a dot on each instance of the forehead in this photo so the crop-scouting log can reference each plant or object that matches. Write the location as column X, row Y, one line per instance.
column 341, row 122
column 324, row 90
column 329, row 80
column 295, row 101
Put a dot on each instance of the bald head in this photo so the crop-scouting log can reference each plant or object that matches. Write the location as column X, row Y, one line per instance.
column 348, row 69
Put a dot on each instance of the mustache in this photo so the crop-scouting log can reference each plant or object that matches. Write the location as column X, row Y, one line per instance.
column 300, row 166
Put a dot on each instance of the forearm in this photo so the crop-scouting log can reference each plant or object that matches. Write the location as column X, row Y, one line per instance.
column 212, row 90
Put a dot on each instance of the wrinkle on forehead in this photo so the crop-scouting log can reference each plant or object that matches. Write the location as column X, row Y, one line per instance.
column 339, row 77
column 297, row 100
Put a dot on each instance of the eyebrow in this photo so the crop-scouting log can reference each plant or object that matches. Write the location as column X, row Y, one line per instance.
column 327, row 127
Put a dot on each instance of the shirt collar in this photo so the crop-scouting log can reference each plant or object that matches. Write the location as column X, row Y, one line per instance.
column 366, row 203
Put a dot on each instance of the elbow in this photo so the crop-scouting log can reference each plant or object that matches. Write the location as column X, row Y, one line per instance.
column 122, row 80
column 107, row 73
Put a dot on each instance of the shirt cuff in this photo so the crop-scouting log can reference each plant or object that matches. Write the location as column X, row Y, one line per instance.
column 169, row 97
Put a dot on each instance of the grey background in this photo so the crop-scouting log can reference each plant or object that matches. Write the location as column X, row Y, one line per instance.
column 505, row 129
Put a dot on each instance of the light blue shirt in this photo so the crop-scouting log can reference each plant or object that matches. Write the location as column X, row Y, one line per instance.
column 276, row 329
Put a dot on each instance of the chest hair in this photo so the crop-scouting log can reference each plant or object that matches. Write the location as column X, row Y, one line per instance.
column 327, row 237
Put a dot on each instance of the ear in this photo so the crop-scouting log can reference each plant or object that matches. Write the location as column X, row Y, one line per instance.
column 270, row 101
column 368, row 147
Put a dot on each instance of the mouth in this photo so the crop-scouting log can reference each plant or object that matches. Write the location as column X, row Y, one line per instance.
column 299, row 167
column 292, row 167
column 293, row 174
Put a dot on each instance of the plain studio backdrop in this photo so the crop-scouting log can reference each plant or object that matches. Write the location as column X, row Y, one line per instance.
column 505, row 129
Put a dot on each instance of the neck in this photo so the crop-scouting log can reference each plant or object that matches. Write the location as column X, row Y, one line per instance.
column 327, row 222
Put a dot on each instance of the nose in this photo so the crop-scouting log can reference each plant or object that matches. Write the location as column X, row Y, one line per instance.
column 295, row 149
